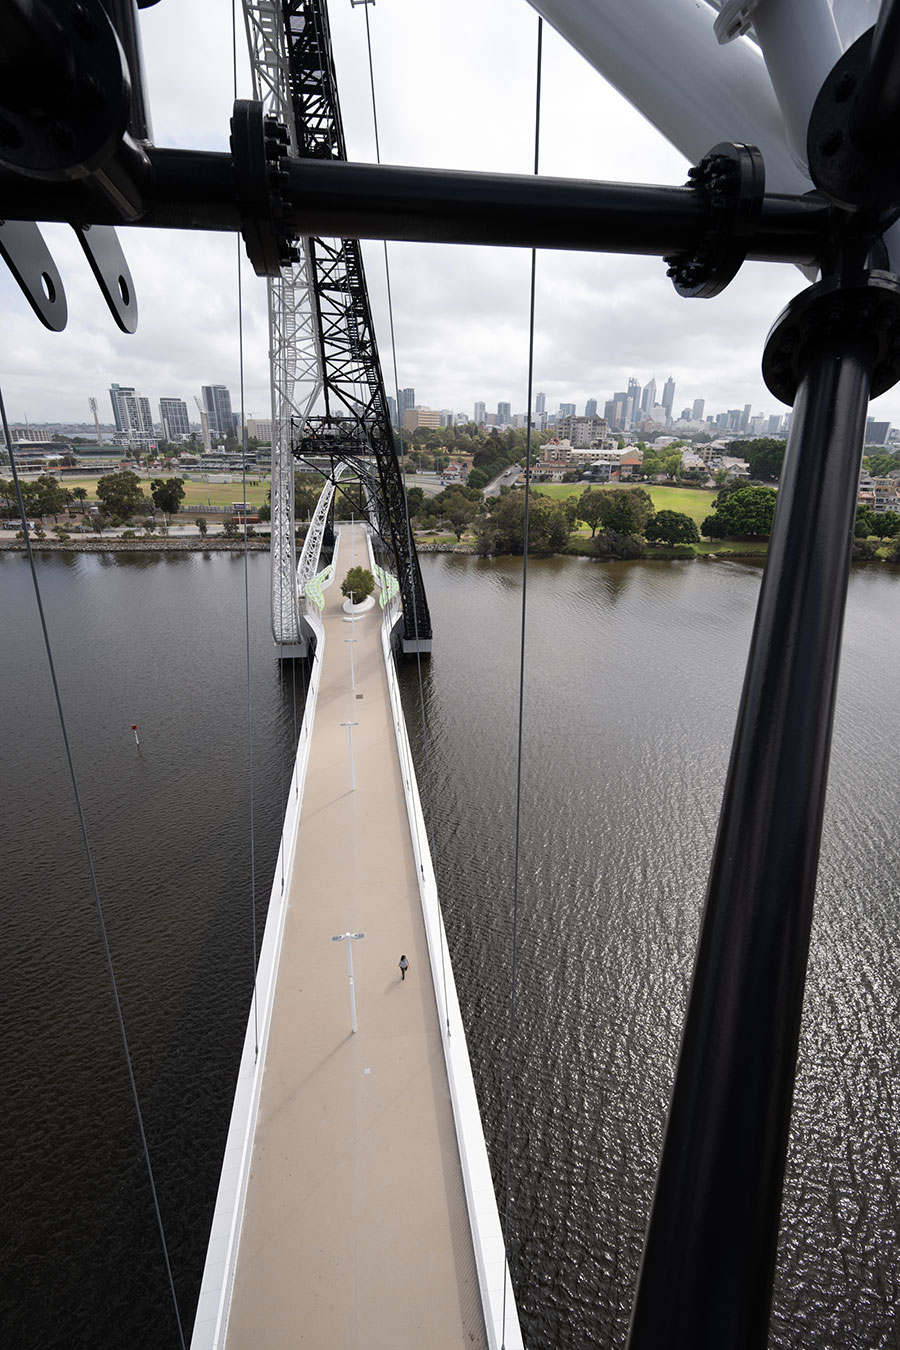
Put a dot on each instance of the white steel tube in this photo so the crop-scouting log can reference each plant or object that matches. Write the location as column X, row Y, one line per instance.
column 664, row 58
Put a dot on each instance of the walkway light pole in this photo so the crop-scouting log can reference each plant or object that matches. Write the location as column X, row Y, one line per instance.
column 349, row 938
column 350, row 642
column 350, row 726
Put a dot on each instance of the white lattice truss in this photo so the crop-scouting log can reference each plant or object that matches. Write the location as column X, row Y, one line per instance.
column 294, row 354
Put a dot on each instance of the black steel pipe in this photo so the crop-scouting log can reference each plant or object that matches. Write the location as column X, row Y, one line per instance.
column 709, row 1257
column 195, row 190
column 875, row 115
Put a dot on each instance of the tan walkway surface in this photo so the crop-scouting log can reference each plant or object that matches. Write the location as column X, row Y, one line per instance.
column 355, row 1231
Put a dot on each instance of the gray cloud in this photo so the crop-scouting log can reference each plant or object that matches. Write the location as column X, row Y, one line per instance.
column 455, row 88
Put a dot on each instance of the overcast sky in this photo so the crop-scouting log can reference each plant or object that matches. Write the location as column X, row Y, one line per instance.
column 455, row 88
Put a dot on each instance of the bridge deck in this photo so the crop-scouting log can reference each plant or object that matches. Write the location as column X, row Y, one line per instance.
column 355, row 1231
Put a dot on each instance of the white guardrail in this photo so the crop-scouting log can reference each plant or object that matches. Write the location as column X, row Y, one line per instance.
column 484, row 1220
column 211, row 1320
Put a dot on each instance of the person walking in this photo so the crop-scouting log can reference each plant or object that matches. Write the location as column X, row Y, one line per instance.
column 404, row 967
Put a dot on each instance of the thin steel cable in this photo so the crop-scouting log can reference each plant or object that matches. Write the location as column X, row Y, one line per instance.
column 511, row 1032
column 429, row 801
column 240, row 303
column 90, row 862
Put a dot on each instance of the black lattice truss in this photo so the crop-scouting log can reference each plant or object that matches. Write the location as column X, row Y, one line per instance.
column 353, row 387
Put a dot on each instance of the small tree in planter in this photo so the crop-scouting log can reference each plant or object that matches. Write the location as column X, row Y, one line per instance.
column 358, row 584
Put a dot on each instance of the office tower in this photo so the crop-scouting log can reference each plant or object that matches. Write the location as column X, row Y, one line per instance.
column 632, row 400
column 774, row 427
column 392, row 410
column 590, row 408
column 648, row 397
column 668, row 397
column 877, row 432
column 407, row 400
column 478, row 418
column 685, row 415
column 540, row 404
column 217, row 406
column 697, row 410
column 173, row 415
column 745, row 418
column 503, row 414
column 567, row 410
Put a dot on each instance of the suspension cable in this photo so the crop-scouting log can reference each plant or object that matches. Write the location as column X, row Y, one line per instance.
column 90, row 862
column 409, row 545
column 511, row 1033
column 240, row 303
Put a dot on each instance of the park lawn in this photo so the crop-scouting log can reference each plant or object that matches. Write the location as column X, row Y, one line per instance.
column 697, row 503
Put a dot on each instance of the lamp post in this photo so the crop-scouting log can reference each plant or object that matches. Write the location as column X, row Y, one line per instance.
column 350, row 726
column 350, row 642
column 349, row 938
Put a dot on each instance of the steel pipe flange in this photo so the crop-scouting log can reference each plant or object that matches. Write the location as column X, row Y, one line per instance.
column 863, row 309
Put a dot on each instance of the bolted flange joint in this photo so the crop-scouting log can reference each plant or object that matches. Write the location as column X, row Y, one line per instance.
column 731, row 180
column 844, row 313
column 260, row 149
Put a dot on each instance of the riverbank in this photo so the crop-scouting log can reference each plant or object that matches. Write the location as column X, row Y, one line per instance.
column 153, row 544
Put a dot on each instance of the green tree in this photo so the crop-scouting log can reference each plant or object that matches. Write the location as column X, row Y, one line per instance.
column 459, row 512
column 79, row 495
column 307, row 491
column 477, row 479
column 671, row 527
column 886, row 524
column 590, row 508
column 202, row 525
column 765, row 456
column 746, row 513
column 626, row 510
column 503, row 529
column 358, row 583
column 121, row 494
column 46, row 496
column 415, row 500
column 167, row 494
column 864, row 525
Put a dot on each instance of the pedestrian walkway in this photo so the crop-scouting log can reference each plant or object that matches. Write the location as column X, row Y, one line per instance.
column 356, row 1231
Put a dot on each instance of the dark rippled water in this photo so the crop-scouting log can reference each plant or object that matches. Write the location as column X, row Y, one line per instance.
column 632, row 686
column 632, row 683
column 155, row 639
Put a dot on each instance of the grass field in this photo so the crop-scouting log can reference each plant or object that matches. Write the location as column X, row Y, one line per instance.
column 195, row 494
column 697, row 503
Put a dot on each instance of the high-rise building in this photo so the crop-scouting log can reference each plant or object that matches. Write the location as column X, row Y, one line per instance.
column 217, row 406
column 420, row 417
column 503, row 414
column 745, row 418
column 392, row 410
column 697, row 410
column 590, row 408
column 540, row 404
column 877, row 432
column 479, row 414
column 173, row 415
column 114, row 391
column 774, row 425
column 632, row 400
column 567, row 410
column 668, row 397
column 407, row 400
column 648, row 396
column 132, row 413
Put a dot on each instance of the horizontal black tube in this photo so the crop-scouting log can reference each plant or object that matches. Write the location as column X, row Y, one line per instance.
column 195, row 190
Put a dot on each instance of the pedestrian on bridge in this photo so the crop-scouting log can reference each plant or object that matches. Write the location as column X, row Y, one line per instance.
column 404, row 967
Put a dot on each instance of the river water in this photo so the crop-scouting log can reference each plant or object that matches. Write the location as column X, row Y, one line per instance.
column 632, row 681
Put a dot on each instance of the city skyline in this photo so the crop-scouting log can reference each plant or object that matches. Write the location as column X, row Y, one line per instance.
column 460, row 314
